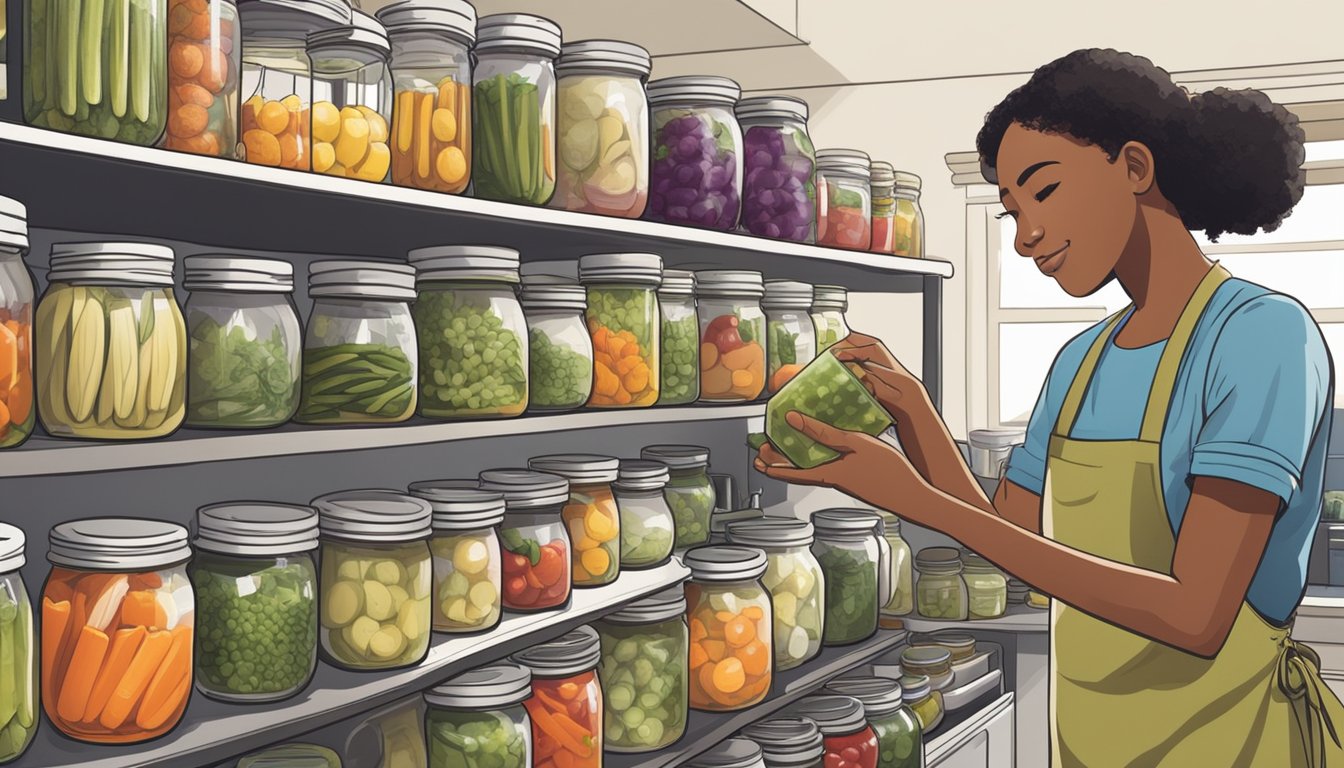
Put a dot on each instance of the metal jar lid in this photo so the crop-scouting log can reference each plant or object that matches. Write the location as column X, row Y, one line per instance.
column 953, row 639
column 771, row 108
column 237, row 273
column 788, row 741
column 974, row 563
column 707, row 89
column 526, row 490
column 730, row 283
column 13, row 223
column 256, row 528
column 677, row 456
column 880, row 695
column 604, row 56
column 906, row 180
column 729, row 753
column 373, row 515
column 460, row 505
column 915, row 688
column 846, row 522
column 578, row 651
column 554, row 297
column 364, row 33
column 578, row 468
column 465, row 262
column 677, row 282
column 850, row 161
column 125, row 544
column 770, row 532
column 483, row 688
column 343, row 278
column 938, row 559
column 633, row 268
column 133, row 263
column 830, row 297
column 11, row 548
column 883, row 173
column 835, row 715
column 922, row 658
column 291, row 19
column 995, row 438
column 517, row 32
column 718, row 563
column 787, row 294
column 661, row 606
column 455, row 18
column 642, row 475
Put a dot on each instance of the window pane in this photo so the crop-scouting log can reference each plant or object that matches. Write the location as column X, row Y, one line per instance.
column 1026, row 351
column 1325, row 150
column 1021, row 284
column 1315, row 278
column 1334, row 339
column 1315, row 218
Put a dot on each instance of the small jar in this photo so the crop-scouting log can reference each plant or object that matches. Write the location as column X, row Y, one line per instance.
column 203, row 88
column 986, row 588
column 791, row 336
column 680, row 372
column 256, row 580
column 689, row 492
column 624, row 324
column 794, row 578
column 899, row 738
column 779, row 194
column 18, row 649
column 788, row 742
column 926, row 703
column 109, row 309
column 465, row 554
column 536, row 546
column 1016, row 591
column 732, row 335
column 883, row 185
column 603, row 118
column 902, row 577
column 359, row 352
column 829, row 305
column 376, row 579
column 849, row 740
column 647, row 526
column 17, row 292
column 118, row 590
column 352, row 99
column 730, row 753
column 472, row 332
column 566, row 704
column 292, row 756
column 696, row 174
column 590, row 516
column 478, row 718
column 731, row 620
column 513, row 108
column 245, row 342
column 560, row 351
column 961, row 645
column 848, row 198
column 1037, row 600
column 644, row 673
column 854, row 557
column 941, row 591
column 932, row 661
column 908, row 227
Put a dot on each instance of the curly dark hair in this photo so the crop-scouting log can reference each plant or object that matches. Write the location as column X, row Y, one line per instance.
column 1229, row 161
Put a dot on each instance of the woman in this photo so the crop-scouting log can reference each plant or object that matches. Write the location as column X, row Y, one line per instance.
column 1171, row 479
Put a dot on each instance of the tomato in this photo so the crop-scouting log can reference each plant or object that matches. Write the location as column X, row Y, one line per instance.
column 551, row 567
column 722, row 333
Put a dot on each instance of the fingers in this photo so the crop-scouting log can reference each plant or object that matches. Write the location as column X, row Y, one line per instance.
column 862, row 354
column 790, row 473
column 770, row 456
column 823, row 433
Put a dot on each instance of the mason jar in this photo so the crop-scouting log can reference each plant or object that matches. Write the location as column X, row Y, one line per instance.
column 696, row 175
column 560, row 351
column 16, row 325
column 926, row 703
column 624, row 324
column 537, row 574
column 590, row 516
column 730, row 753
column 986, row 588
column 796, row 583
column 731, row 621
column 941, row 591
column 689, row 492
column 566, row 704
column 680, row 341
column 647, row 527
column 899, row 736
column 829, row 305
column 902, row 576
column 732, row 335
column 909, row 224
column 849, row 741
column 855, row 560
column 18, row 649
column 779, row 194
column 465, row 554
column 788, row 742
column 791, row 337
column 203, row 88
column 478, row 718
column 883, row 185
column 352, row 99
column 848, row 193
column 644, row 673
column 932, row 661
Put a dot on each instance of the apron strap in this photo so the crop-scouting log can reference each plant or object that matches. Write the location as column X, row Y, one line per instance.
column 1073, row 401
column 1299, row 679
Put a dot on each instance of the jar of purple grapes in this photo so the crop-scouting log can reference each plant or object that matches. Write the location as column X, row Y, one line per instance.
column 696, row 177
column 779, row 193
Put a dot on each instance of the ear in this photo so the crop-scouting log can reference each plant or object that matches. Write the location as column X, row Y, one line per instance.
column 1139, row 166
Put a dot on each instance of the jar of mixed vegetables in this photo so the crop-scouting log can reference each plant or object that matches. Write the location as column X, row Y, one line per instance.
column 18, row 657
column 680, row 373
column 986, row 588
column 940, row 592
column 848, row 739
column 689, row 492
column 731, row 620
column 359, row 352
column 883, row 186
column 855, row 559
column 537, row 575
column 352, row 99
column 926, row 703
column 791, row 337
column 730, row 753
column 118, row 620
column 908, row 227
column 205, row 46
column 604, row 128
column 472, row 332
column 779, row 194
column 643, row 673
column 256, row 581
column 560, row 351
column 899, row 738
column 732, row 335
column 902, row 575
column 244, row 342
column 624, row 323
column 566, row 704
column 465, row 554
column 111, row 343
column 647, row 527
column 788, row 742
column 848, row 199
column 376, row 579
column 829, row 305
column 477, row 719
column 696, row 174
column 17, row 292
column 794, row 578
column 591, row 516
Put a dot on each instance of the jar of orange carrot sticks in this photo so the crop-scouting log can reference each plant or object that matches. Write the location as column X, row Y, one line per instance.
column 566, row 703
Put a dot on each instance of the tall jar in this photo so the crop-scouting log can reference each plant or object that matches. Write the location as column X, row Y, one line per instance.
column 591, row 516
column 909, row 223
column 986, row 588
column 731, row 621
column 117, row 600
column 848, row 198
column 537, row 575
column 829, row 304
column 465, row 554
column 902, row 600
column 680, row 372
column 352, row 99
column 376, row 579
column 477, row 719
column 788, row 742
column 796, row 583
column 730, row 753
column 359, row 352
column 696, row 172
column 732, row 335
column 560, row 351
column 849, row 740
column 18, row 657
column 940, row 592
column 883, row 185
column 689, row 492
column 856, row 561
column 244, row 342
column 624, row 324
column 647, row 527
column 603, row 123
column 255, row 577
column 899, row 735
column 644, row 673
column 514, row 108
column 109, row 310
column 779, row 193
column 472, row 332
column 566, row 704
column 431, row 71
column 16, row 326
column 205, row 47
column 791, row 336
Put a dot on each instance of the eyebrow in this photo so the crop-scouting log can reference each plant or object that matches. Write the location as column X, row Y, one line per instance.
column 1027, row 174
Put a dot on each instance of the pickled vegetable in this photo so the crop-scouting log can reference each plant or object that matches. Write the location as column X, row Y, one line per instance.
column 732, row 359
column 17, row 414
column 899, row 741
column 356, row 382
column 797, row 593
column 561, row 378
column 884, row 217
column 624, row 325
column 730, row 654
column 594, row 526
column 680, row 358
column 908, row 229
column 790, row 350
column 644, row 679
column 276, row 132
column 514, row 145
column 828, row 391
column 238, row 379
column 851, row 594
column 472, row 360
column 692, row 504
column 204, row 45
column 375, row 605
column 603, row 145
column 848, row 222
column 829, row 330
column 350, row 142
column 488, row 739
column 646, row 530
column 18, row 672
column 566, row 722
column 432, row 126
column 536, row 575
column 942, row 596
column 695, row 174
column 854, row 750
column 466, row 581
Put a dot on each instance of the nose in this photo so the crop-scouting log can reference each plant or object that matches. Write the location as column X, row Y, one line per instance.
column 1033, row 237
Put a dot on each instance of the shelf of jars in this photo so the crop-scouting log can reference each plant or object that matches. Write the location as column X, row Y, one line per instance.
column 1017, row 618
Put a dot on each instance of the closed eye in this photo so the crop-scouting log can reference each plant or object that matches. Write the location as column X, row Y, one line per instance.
column 1044, row 193
column 1006, row 214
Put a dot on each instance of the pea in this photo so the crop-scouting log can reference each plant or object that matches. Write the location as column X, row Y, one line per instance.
column 470, row 363
column 561, row 377
column 680, row 362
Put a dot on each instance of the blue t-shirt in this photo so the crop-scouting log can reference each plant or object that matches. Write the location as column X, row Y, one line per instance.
column 1252, row 403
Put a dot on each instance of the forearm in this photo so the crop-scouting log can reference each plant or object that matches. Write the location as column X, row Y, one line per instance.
column 935, row 455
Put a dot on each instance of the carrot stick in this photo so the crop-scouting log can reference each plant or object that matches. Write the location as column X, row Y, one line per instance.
column 176, row 666
column 55, row 617
column 151, row 580
column 136, row 679
column 547, row 723
column 550, row 701
column 572, row 726
column 84, row 666
column 124, row 646
column 568, row 690
column 150, row 720
column 141, row 608
column 59, row 591
column 79, row 616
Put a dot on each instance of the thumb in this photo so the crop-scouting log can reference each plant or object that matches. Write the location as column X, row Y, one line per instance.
column 820, row 431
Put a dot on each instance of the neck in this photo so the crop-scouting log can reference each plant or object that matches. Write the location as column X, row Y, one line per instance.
column 1162, row 265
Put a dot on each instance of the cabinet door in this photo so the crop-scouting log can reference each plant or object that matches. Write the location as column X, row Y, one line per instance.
column 985, row 741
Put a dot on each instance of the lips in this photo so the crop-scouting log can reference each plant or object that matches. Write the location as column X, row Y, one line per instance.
column 1051, row 262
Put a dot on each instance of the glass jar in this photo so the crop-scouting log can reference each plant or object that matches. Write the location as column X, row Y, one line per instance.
column 909, row 223
column 883, row 185
column 109, row 309
column 829, row 304
column 899, row 738
column 465, row 554
column 514, row 108
column 986, row 588
column 603, row 119
column 352, row 99
column 644, row 673
column 244, row 342
column 537, row 573
column 647, row 527
column 477, row 719
column 18, row 659
column 566, row 704
column 624, row 324
column 256, row 580
column 1016, row 591
column 788, row 742
column 392, row 736
column 16, row 326
column 204, row 72
column 730, row 753
column 275, row 119
column 848, row 198
column 590, row 516
column 932, row 661
column 732, row 335
column 472, row 332
column 941, row 591
column 902, row 576
column 795, row 581
column 680, row 373
column 731, row 620
column 855, row 559
column 791, row 337
column 359, row 352
column 560, row 351
column 431, row 70
column 926, row 703
column 292, row 756
column 779, row 194
column 117, row 592
column 961, row 645
column 696, row 175
column 849, row 741
column 689, row 492
column 376, row 579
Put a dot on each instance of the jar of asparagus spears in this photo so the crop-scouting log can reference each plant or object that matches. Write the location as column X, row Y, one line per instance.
column 359, row 354
column 680, row 369
column 560, row 351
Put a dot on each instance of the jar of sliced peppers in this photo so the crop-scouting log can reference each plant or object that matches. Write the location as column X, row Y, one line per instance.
column 850, row 742
column 731, row 621
column 536, row 546
column 848, row 199
column 17, row 414
column 732, row 335
column 466, row 554
column 591, row 516
column 477, row 719
column 566, row 704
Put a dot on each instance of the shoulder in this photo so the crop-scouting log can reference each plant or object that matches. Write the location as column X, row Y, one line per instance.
column 1260, row 324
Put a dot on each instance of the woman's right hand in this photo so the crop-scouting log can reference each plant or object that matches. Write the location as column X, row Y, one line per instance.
column 895, row 388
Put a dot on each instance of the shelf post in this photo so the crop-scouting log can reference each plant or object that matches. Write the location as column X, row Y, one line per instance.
column 933, row 339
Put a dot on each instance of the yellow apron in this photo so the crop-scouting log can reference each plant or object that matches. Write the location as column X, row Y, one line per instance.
column 1120, row 699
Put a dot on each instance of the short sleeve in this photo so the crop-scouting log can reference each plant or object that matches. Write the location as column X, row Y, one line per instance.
column 1026, row 465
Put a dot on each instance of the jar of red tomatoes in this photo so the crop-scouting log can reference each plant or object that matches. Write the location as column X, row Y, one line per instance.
column 536, row 546
column 591, row 516
column 849, row 741
column 566, row 703
column 848, row 222
column 788, row 742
